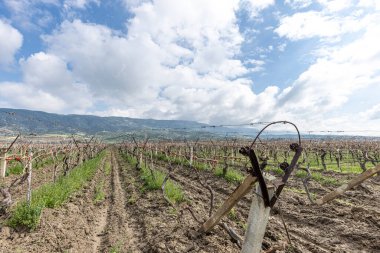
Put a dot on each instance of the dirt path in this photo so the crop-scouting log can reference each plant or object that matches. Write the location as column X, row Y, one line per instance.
column 116, row 233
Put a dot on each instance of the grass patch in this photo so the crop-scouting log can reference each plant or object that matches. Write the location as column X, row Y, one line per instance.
column 301, row 174
column 300, row 191
column 117, row 248
column 154, row 182
column 277, row 171
column 320, row 178
column 107, row 168
column 232, row 215
column 99, row 193
column 232, row 176
column 17, row 169
column 325, row 181
column 52, row 195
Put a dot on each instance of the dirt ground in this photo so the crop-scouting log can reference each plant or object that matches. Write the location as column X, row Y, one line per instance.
column 131, row 219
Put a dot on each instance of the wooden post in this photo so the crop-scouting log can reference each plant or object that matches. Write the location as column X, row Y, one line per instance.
column 29, row 193
column 257, row 222
column 345, row 187
column 151, row 160
column 191, row 155
column 81, row 151
column 239, row 193
column 3, row 164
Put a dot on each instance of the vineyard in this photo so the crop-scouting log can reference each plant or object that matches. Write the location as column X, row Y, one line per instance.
column 77, row 194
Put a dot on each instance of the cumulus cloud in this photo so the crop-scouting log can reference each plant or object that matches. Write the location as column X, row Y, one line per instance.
column 47, row 85
column 174, row 63
column 338, row 72
column 28, row 14
column 306, row 25
column 10, row 42
column 178, row 67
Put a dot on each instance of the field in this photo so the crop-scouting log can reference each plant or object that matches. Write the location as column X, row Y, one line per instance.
column 154, row 196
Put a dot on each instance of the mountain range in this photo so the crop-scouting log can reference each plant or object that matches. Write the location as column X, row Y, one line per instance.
column 38, row 122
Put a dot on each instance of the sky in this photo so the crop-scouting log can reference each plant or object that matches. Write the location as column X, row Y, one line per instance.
column 313, row 62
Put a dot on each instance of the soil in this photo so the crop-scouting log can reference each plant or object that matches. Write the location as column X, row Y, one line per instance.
column 132, row 219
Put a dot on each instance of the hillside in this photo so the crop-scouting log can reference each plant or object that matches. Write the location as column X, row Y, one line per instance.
column 26, row 121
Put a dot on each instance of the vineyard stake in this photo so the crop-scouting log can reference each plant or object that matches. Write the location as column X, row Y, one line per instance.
column 257, row 222
column 3, row 163
column 345, row 187
column 29, row 194
column 239, row 193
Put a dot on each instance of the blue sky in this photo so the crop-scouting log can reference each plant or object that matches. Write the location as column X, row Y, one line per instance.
column 314, row 62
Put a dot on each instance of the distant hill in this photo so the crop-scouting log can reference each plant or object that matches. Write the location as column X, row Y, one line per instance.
column 26, row 121
column 14, row 121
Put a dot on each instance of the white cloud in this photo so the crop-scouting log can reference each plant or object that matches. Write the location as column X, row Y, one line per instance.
column 254, row 7
column 10, row 41
column 19, row 95
column 373, row 113
column 180, row 60
column 28, row 14
column 47, row 85
column 336, row 5
column 305, row 25
column 130, row 4
column 329, row 83
column 372, row 4
column 173, row 63
column 299, row 4
column 79, row 4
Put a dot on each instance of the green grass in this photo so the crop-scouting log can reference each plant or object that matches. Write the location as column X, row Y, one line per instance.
column 107, row 168
column 301, row 174
column 277, row 171
column 117, row 248
column 172, row 190
column 45, row 162
column 232, row 215
column 99, row 193
column 320, row 178
column 52, row 195
column 16, row 169
column 232, row 175
column 325, row 180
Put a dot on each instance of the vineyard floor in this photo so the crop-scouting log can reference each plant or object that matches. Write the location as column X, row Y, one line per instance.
column 132, row 219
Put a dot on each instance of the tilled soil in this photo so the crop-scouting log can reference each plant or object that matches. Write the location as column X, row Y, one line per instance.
column 131, row 219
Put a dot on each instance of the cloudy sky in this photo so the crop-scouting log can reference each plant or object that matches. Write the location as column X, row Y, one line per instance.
column 314, row 62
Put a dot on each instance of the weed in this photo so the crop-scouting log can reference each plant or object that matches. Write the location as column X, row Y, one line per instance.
column 232, row 215
column 153, row 180
column 52, row 195
column 117, row 248
column 17, row 169
column 232, row 176
column 99, row 193
column 132, row 200
column 107, row 168
column 325, row 181
column 26, row 216
column 277, row 171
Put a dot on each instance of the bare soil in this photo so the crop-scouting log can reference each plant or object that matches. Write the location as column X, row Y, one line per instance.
column 132, row 219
